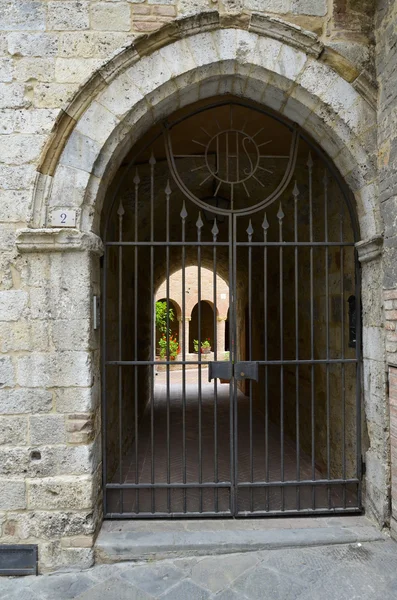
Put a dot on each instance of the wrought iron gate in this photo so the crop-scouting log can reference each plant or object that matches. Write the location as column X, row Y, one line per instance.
column 234, row 190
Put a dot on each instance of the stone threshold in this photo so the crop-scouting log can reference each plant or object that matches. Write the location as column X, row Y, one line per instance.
column 152, row 540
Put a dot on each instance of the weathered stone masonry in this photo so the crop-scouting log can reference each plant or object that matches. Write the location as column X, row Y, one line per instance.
column 79, row 85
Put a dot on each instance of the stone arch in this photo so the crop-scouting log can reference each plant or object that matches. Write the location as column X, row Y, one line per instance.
column 198, row 57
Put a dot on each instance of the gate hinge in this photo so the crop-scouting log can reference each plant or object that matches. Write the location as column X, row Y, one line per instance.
column 363, row 466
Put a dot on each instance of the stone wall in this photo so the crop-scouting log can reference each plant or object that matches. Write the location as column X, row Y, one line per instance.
column 386, row 57
column 49, row 366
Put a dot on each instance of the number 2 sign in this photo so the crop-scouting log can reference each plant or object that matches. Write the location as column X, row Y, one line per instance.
column 65, row 217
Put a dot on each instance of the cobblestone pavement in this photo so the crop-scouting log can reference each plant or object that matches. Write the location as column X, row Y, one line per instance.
column 366, row 571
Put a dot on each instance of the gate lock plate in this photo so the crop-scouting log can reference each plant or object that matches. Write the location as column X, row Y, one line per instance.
column 246, row 370
column 224, row 370
column 220, row 370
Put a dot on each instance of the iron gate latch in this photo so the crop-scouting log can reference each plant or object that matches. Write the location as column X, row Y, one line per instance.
column 246, row 370
column 220, row 370
column 224, row 370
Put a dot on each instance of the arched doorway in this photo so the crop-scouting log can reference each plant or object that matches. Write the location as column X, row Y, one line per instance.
column 231, row 187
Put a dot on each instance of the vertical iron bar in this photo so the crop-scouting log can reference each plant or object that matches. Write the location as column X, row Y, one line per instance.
column 310, row 169
column 104, row 381
column 296, row 252
column 265, row 226
column 167, row 237
column 358, row 378
column 251, row 454
column 342, row 294
column 152, row 162
column 327, row 332
column 215, row 232
column 234, row 355
column 184, row 342
column 200, row 399
column 136, row 415
column 120, row 213
column 280, row 216
column 232, row 358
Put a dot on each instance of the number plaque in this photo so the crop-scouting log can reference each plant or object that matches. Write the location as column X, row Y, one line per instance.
column 65, row 217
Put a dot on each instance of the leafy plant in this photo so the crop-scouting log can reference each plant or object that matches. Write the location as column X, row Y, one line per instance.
column 173, row 346
column 204, row 345
column 161, row 316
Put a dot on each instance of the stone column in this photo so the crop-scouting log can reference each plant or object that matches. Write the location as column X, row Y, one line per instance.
column 376, row 453
column 220, row 335
column 58, row 381
column 184, row 325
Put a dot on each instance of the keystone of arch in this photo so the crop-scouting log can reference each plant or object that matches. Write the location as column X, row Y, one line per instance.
column 149, row 82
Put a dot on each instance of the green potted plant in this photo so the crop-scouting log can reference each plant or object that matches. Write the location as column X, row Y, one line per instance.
column 205, row 346
column 173, row 347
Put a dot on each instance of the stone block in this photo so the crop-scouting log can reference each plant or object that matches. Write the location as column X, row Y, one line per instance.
column 373, row 343
column 75, row 70
column 17, row 178
column 80, row 428
column 32, row 44
column 20, row 401
column 63, row 492
column 75, row 399
column 38, row 69
column 69, row 187
column 21, row 148
column 6, row 70
column 81, row 152
column 106, row 16
column 53, row 95
column 13, row 431
column 7, row 372
column 121, row 96
column 76, row 460
column 97, row 122
column 70, row 15
column 12, row 95
column 22, row 15
column 78, row 541
column 89, row 44
column 50, row 525
column 62, row 369
column 71, row 334
column 47, row 429
column 12, row 494
column 24, row 335
column 280, row 7
column 12, row 304
column 14, row 206
column 309, row 7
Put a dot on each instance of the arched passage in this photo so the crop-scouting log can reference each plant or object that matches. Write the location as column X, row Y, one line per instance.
column 282, row 234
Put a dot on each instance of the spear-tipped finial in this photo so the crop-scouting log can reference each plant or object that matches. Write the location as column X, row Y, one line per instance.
column 295, row 191
column 310, row 161
column 250, row 230
column 215, row 230
column 280, row 213
column 265, row 224
column 183, row 211
column 137, row 179
column 199, row 222
column 168, row 188
column 120, row 210
column 152, row 160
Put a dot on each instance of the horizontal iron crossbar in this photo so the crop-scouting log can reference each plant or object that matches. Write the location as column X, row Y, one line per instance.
column 226, row 244
column 325, row 361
